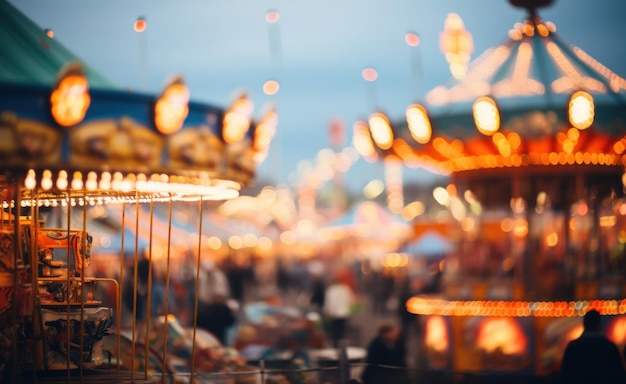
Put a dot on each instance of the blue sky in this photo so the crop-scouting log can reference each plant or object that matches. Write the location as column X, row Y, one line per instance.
column 221, row 47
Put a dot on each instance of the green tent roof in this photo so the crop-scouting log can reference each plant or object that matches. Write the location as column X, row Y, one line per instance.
column 29, row 56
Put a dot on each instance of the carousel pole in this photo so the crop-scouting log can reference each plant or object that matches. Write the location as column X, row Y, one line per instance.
column 167, row 288
column 149, row 294
column 195, row 311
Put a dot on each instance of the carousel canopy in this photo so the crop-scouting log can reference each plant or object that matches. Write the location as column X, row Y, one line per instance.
column 64, row 128
column 533, row 100
column 30, row 56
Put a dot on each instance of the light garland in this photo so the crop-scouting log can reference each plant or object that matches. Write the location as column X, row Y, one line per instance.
column 116, row 188
column 431, row 306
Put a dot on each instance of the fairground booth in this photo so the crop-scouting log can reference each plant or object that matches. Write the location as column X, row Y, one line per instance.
column 532, row 138
column 71, row 141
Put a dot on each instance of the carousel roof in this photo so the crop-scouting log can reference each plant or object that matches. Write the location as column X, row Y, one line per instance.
column 526, row 86
column 64, row 128
column 30, row 56
column 532, row 67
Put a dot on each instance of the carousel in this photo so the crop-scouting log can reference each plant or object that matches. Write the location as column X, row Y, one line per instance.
column 72, row 143
column 532, row 138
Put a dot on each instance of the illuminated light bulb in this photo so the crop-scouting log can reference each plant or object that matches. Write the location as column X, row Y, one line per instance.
column 272, row 16
column 249, row 240
column 237, row 120
column 581, row 110
column 214, row 242
column 140, row 24
column 105, row 181
column 361, row 140
column 369, row 74
column 62, row 182
column 288, row 237
column 172, row 108
column 412, row 39
column 235, row 242
column 30, row 182
column 264, row 243
column 419, row 123
column 381, row 130
column 271, row 87
column 77, row 181
column 486, row 115
column 70, row 98
column 117, row 181
column 92, row 181
column 46, row 180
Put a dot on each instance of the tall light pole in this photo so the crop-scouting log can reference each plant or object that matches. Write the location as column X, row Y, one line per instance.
column 140, row 27
column 370, row 75
column 413, row 41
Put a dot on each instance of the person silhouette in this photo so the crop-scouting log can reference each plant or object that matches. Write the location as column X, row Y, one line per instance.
column 386, row 357
column 592, row 358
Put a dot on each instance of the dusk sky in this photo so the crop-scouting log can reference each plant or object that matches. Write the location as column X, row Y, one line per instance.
column 221, row 47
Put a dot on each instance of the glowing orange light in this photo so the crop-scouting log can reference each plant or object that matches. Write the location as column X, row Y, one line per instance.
column 49, row 32
column 412, row 39
column 502, row 334
column 381, row 130
column 70, row 100
column 457, row 44
column 263, row 134
column 271, row 87
column 369, row 74
column 581, row 110
column 272, row 16
column 437, row 334
column 237, row 120
column 419, row 123
column 616, row 331
column 362, row 141
column 171, row 109
column 486, row 115
column 140, row 24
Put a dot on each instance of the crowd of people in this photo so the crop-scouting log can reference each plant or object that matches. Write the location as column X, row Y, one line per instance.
column 337, row 295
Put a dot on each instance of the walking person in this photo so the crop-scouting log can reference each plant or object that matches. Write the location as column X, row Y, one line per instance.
column 592, row 358
column 338, row 300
